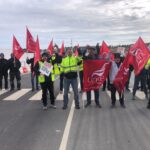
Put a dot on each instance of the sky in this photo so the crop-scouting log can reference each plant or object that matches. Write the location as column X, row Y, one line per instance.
column 83, row 21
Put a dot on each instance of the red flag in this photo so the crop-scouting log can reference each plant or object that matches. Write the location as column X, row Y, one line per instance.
column 105, row 51
column 62, row 49
column 17, row 50
column 76, row 51
column 37, row 52
column 139, row 55
column 30, row 43
column 122, row 75
column 50, row 47
column 95, row 73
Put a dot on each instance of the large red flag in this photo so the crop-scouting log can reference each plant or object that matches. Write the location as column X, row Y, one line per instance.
column 17, row 50
column 95, row 73
column 30, row 43
column 62, row 49
column 50, row 47
column 122, row 75
column 37, row 52
column 105, row 51
column 139, row 54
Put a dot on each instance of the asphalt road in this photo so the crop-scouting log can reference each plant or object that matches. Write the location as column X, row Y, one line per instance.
column 25, row 126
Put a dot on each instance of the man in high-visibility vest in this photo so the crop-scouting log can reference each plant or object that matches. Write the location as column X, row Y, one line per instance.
column 147, row 66
column 69, row 68
column 46, row 77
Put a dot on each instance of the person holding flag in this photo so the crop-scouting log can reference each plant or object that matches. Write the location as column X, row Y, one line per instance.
column 14, row 64
column 112, row 75
column 33, row 61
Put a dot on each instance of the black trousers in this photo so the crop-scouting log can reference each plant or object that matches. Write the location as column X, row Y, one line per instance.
column 47, row 87
column 81, row 79
column 106, row 83
column 96, row 95
column 137, row 79
column 113, row 96
column 61, row 81
column 5, row 76
column 128, row 81
column 34, row 79
column 14, row 75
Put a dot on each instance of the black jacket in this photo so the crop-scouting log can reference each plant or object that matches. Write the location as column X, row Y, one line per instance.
column 31, row 61
column 14, row 65
column 3, row 66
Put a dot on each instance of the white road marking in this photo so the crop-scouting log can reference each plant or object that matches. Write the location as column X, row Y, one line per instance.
column 37, row 96
column 64, row 140
column 139, row 94
column 3, row 91
column 16, row 95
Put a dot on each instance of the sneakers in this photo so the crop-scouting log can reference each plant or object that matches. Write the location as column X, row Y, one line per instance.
column 127, row 89
column 53, row 106
column 123, row 105
column 44, row 107
column 86, row 105
column 77, row 107
column 98, row 105
column 64, row 107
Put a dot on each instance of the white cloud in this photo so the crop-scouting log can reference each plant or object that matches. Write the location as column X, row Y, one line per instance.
column 86, row 22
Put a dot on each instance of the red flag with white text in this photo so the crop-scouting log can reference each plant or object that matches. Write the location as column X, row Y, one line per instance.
column 95, row 73
column 139, row 54
column 30, row 43
column 37, row 52
column 17, row 50
column 105, row 51
column 122, row 75
column 50, row 47
column 62, row 49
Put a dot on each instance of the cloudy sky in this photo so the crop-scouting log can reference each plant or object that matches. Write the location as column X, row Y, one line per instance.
column 83, row 21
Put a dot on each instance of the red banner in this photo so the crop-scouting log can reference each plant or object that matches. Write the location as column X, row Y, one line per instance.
column 50, row 47
column 37, row 52
column 105, row 51
column 139, row 54
column 17, row 50
column 30, row 43
column 122, row 75
column 95, row 73
column 62, row 49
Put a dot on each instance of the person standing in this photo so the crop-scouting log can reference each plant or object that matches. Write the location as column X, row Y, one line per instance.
column 34, row 76
column 147, row 66
column 69, row 68
column 14, row 65
column 91, row 54
column 3, row 71
column 113, row 72
column 46, row 80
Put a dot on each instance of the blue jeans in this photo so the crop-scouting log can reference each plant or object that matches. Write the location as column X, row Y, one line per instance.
column 74, row 85
column 34, row 78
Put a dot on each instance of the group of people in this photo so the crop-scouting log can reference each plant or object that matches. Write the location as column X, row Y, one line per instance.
column 68, row 67
column 12, row 66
